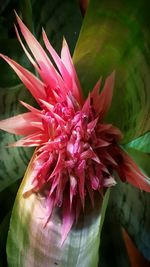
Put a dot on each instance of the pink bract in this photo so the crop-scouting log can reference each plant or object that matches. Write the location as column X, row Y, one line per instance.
column 77, row 153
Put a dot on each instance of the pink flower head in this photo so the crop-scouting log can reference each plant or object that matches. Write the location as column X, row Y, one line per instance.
column 77, row 153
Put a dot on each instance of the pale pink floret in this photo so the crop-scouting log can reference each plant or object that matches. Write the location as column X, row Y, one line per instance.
column 77, row 153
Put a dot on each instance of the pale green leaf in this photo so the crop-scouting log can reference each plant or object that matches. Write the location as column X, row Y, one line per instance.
column 142, row 143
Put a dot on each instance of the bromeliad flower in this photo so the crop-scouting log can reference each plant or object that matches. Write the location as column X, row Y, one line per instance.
column 77, row 152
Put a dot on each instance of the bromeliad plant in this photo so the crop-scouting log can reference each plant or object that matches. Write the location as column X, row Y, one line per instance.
column 76, row 158
column 77, row 152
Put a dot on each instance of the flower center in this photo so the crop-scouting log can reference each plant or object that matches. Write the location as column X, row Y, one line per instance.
column 77, row 156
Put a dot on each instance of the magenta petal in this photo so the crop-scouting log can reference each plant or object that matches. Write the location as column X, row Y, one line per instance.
column 132, row 174
column 139, row 181
column 105, row 97
column 46, row 70
column 49, row 107
column 34, row 45
column 68, row 219
column 67, row 60
column 55, row 183
column 95, row 97
column 86, row 106
column 32, row 109
column 26, row 51
column 81, row 175
column 64, row 72
column 49, row 208
column 73, row 188
column 95, row 92
column 60, row 190
column 109, row 159
column 20, row 124
column 32, row 140
column 102, row 143
column 95, row 182
column 59, row 164
column 90, row 154
column 92, row 125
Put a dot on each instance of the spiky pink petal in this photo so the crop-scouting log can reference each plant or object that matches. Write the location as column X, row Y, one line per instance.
column 129, row 171
column 26, row 51
column 32, row 140
column 59, row 165
column 87, row 105
column 95, row 93
column 81, row 176
column 105, row 97
column 32, row 109
column 64, row 72
column 67, row 60
column 49, row 205
column 34, row 46
column 20, row 124
column 73, row 188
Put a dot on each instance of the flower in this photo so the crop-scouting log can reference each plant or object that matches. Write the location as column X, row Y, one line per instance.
column 77, row 152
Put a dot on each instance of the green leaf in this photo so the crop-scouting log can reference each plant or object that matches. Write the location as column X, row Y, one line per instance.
column 115, row 36
column 112, row 249
column 13, row 161
column 142, row 143
column 104, row 207
column 7, row 198
column 132, row 206
column 29, row 244
column 59, row 19
column 132, row 209
column 4, row 226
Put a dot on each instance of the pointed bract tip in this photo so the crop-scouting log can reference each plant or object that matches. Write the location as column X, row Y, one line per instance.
column 112, row 76
column 16, row 14
column 64, row 42
column 43, row 31
column 44, row 34
column 15, row 26
column 2, row 56
column 16, row 30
